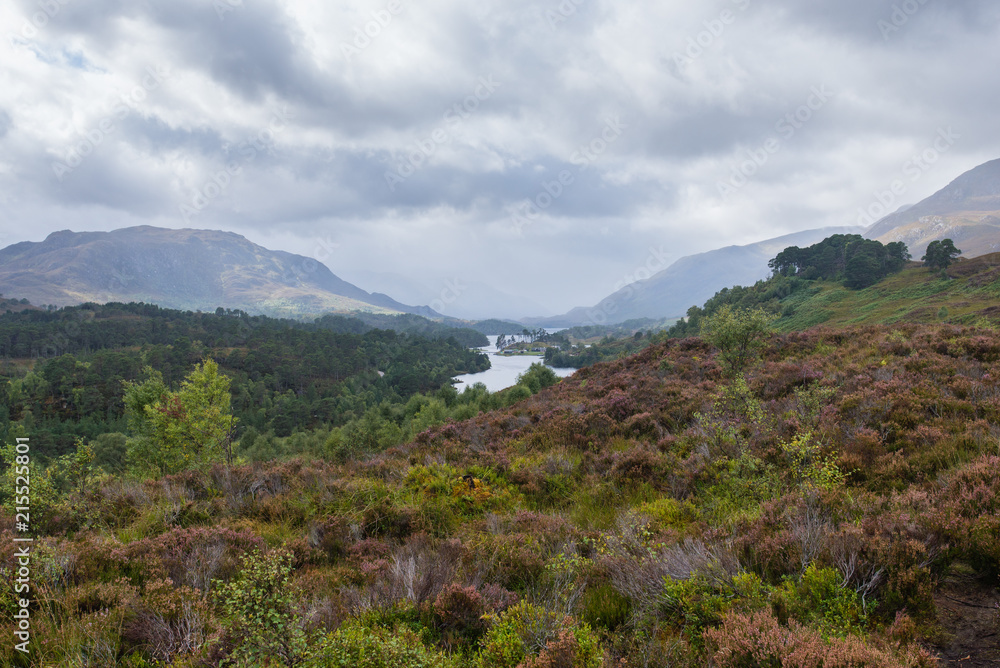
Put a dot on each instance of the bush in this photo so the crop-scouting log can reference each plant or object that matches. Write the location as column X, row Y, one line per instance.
column 819, row 598
column 528, row 635
column 970, row 505
column 359, row 646
column 460, row 612
column 259, row 607
column 758, row 640
column 739, row 334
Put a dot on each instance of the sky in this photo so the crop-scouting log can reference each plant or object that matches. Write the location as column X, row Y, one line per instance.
column 533, row 155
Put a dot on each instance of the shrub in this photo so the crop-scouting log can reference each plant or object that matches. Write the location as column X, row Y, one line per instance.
column 193, row 557
column 758, row 640
column 529, row 635
column 359, row 646
column 259, row 607
column 739, row 334
column 460, row 610
column 171, row 622
column 970, row 512
column 819, row 598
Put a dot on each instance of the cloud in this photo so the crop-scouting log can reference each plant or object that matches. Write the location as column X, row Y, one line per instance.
column 284, row 120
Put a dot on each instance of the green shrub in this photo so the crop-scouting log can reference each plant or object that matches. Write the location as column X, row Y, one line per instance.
column 259, row 605
column 526, row 631
column 819, row 598
column 358, row 645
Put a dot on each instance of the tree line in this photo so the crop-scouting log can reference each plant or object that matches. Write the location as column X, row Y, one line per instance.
column 857, row 261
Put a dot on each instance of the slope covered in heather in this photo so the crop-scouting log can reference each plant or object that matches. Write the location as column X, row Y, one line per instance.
column 646, row 512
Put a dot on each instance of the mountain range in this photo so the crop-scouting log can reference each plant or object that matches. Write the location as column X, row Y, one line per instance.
column 967, row 211
column 205, row 269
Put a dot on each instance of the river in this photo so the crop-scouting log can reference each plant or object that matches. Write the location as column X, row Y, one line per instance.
column 504, row 370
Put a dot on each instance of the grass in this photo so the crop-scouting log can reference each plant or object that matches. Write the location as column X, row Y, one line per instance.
column 914, row 295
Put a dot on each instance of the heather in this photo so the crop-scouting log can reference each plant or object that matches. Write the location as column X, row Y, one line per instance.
column 807, row 500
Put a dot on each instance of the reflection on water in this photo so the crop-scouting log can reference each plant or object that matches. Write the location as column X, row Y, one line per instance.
column 505, row 370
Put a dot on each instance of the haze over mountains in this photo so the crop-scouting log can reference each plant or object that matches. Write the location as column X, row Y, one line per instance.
column 689, row 281
column 967, row 211
column 201, row 269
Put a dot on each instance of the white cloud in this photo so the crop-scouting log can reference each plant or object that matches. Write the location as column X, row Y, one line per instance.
column 698, row 86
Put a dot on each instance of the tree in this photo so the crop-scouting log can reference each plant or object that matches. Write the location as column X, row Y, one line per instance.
column 537, row 377
column 897, row 255
column 78, row 467
column 739, row 334
column 940, row 254
column 183, row 429
column 862, row 271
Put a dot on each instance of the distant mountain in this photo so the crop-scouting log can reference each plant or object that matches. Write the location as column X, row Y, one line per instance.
column 967, row 211
column 455, row 297
column 183, row 269
column 689, row 281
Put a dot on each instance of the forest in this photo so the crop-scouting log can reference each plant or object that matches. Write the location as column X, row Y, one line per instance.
column 63, row 372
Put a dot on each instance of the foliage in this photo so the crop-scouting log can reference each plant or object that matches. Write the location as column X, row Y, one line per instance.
column 809, row 467
column 610, row 347
column 651, row 510
column 537, row 377
column 361, row 322
column 940, row 254
column 529, row 635
column 259, row 606
column 758, row 639
column 358, row 645
column 177, row 430
column 738, row 334
column 285, row 375
column 859, row 262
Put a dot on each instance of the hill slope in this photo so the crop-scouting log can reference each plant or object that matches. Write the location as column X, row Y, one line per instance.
column 967, row 211
column 185, row 269
column 833, row 505
column 690, row 280
column 969, row 294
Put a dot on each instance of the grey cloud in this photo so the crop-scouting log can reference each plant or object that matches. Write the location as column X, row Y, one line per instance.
column 560, row 81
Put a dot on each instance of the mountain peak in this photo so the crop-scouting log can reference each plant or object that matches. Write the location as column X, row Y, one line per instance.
column 966, row 210
column 186, row 269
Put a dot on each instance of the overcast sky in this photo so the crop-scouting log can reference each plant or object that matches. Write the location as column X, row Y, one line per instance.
column 408, row 138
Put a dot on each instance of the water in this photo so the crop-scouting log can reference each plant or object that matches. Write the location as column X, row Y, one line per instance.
column 505, row 370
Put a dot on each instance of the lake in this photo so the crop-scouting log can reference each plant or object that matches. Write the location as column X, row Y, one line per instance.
column 505, row 370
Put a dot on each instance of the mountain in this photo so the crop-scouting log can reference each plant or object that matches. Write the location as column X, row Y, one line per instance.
column 184, row 269
column 457, row 298
column 689, row 281
column 967, row 211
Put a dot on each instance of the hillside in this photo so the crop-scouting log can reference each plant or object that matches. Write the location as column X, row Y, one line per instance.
column 689, row 280
column 832, row 507
column 184, row 269
column 969, row 294
column 967, row 211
